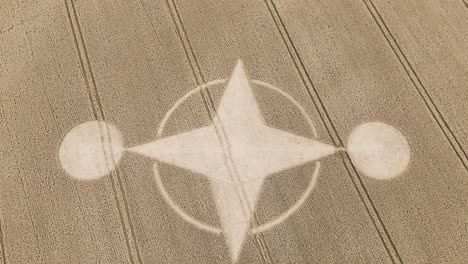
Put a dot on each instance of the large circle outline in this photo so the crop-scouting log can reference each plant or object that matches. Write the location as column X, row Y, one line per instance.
column 263, row 227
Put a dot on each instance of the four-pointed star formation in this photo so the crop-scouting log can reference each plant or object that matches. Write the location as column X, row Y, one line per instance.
column 236, row 152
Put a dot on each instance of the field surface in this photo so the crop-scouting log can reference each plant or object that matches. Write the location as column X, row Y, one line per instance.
column 220, row 131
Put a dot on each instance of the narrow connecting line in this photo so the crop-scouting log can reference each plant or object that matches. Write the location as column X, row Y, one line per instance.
column 417, row 83
column 333, row 133
column 259, row 239
column 3, row 118
column 3, row 259
column 98, row 113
